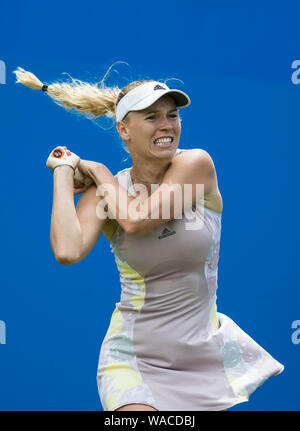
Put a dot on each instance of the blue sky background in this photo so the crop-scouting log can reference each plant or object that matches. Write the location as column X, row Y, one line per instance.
column 234, row 60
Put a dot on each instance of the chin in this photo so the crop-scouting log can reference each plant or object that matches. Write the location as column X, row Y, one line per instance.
column 165, row 153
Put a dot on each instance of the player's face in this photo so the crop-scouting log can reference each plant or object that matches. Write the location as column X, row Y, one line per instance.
column 154, row 131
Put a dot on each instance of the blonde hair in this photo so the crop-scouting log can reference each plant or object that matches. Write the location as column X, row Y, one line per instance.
column 84, row 97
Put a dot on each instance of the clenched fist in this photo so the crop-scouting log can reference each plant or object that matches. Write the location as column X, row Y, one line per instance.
column 62, row 156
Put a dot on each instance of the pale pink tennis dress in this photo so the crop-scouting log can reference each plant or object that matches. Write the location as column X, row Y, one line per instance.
column 167, row 346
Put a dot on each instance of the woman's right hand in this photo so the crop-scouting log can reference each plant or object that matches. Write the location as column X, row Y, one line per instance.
column 62, row 156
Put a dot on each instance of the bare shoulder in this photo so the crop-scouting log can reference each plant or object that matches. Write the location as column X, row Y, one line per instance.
column 110, row 226
column 195, row 165
column 195, row 156
column 86, row 210
column 198, row 160
column 87, row 197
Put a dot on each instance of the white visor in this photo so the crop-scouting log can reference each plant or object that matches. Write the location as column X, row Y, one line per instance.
column 145, row 95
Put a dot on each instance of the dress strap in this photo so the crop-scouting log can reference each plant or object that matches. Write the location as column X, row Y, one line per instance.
column 178, row 151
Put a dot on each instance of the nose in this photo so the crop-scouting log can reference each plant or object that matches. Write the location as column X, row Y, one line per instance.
column 165, row 123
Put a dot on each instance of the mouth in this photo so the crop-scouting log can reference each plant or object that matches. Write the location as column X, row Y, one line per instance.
column 164, row 142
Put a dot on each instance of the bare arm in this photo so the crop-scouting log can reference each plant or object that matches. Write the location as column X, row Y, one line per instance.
column 190, row 167
column 74, row 232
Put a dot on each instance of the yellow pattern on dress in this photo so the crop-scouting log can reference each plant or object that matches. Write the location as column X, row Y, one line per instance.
column 138, row 300
column 116, row 323
column 111, row 401
column 236, row 387
column 213, row 317
column 129, row 273
column 123, row 376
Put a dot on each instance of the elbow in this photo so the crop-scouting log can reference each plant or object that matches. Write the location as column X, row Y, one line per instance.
column 131, row 228
column 135, row 228
column 66, row 259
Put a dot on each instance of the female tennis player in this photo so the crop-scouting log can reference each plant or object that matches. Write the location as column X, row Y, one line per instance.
column 167, row 347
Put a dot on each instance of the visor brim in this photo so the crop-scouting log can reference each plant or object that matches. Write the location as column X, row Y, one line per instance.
column 181, row 99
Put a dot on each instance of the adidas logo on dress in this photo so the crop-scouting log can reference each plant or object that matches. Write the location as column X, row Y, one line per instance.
column 166, row 232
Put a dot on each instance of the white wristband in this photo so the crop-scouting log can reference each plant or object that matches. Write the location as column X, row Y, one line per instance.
column 64, row 164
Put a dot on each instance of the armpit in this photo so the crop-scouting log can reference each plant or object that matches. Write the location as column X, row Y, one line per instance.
column 109, row 228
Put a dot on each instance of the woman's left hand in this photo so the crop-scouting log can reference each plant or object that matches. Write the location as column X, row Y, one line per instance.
column 85, row 167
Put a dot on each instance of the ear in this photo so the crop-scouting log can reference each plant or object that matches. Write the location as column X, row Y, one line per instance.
column 123, row 130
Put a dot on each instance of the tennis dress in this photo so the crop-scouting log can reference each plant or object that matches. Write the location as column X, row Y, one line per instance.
column 167, row 346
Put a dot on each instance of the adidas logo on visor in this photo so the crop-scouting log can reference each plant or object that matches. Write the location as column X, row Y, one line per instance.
column 159, row 87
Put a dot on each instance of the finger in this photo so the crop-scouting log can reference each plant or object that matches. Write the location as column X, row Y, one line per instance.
column 68, row 153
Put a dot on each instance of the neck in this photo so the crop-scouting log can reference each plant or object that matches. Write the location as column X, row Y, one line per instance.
column 149, row 174
column 148, row 171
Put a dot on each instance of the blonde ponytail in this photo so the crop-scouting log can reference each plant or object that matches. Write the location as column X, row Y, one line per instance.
column 82, row 96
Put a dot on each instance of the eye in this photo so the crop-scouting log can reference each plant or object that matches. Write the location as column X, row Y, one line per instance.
column 153, row 117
